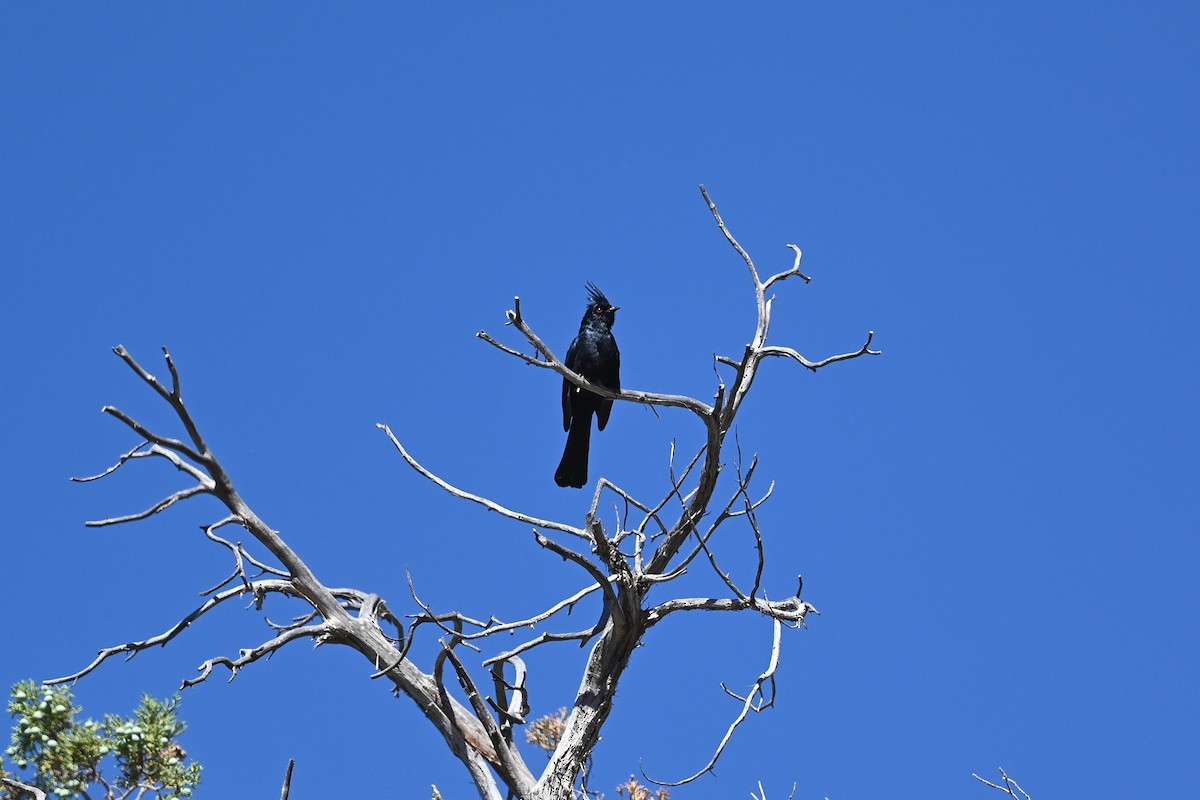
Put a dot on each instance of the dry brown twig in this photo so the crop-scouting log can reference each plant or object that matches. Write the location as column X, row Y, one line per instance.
column 620, row 567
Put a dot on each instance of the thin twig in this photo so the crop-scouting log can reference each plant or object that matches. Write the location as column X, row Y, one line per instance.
column 161, row 505
column 133, row 648
column 602, row 580
column 748, row 705
column 574, row 636
column 546, row 359
column 120, row 463
column 729, row 236
column 474, row 498
column 287, row 780
column 788, row 352
column 234, row 665
column 1010, row 786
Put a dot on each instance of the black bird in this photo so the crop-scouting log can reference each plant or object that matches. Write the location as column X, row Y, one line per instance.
column 595, row 356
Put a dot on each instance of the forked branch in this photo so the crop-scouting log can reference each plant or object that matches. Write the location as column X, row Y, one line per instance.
column 1010, row 786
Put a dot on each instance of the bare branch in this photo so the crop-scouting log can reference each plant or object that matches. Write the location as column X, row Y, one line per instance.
column 240, row 556
column 479, row 771
column 534, row 359
column 161, row 505
column 630, row 500
column 702, row 540
column 513, row 769
column 493, row 627
column 551, row 362
column 254, row 654
column 1010, row 786
column 543, row 638
column 455, row 631
column 570, row 555
column 728, row 513
column 120, row 463
column 729, row 236
column 795, row 270
column 788, row 352
column 297, row 621
column 173, row 397
column 791, row 610
column 529, row 622
column 13, row 783
column 287, row 780
column 133, row 648
column 748, row 510
column 152, row 381
column 483, row 501
column 180, row 464
column 748, row 705
column 515, row 710
column 145, row 433
column 762, row 793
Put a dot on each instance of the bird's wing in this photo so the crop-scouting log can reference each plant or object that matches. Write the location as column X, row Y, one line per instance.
column 570, row 361
column 602, row 412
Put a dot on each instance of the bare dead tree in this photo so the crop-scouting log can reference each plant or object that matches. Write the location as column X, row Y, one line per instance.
column 664, row 540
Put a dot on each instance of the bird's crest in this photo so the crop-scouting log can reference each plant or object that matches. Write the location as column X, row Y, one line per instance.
column 597, row 297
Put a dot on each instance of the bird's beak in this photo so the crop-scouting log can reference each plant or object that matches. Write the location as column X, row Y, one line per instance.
column 615, row 309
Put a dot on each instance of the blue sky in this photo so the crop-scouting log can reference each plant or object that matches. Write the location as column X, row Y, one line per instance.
column 316, row 208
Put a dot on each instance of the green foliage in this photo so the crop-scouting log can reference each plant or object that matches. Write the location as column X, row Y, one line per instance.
column 67, row 758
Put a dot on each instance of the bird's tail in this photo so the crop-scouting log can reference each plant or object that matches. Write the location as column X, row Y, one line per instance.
column 572, row 470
